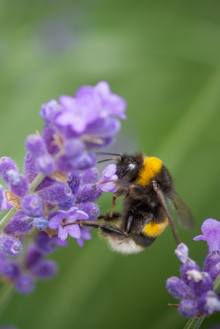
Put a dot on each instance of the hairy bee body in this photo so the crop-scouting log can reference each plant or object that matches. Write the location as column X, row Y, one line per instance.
column 145, row 183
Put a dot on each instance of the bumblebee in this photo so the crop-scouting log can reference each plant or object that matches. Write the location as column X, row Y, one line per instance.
column 145, row 184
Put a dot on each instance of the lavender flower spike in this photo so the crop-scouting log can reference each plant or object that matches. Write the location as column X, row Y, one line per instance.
column 211, row 234
column 198, row 289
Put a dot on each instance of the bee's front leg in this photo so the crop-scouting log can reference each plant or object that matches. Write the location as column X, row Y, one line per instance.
column 106, row 229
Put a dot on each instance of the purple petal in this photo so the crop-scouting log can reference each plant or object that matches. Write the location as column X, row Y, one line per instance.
column 81, row 214
column 182, row 252
column 103, row 89
column 211, row 230
column 109, row 171
column 200, row 237
column 80, row 242
column 74, row 231
column 55, row 222
column 77, row 124
column 85, row 234
column 66, row 101
column 62, row 233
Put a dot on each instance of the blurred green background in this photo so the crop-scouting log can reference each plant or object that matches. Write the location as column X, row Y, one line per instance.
column 163, row 58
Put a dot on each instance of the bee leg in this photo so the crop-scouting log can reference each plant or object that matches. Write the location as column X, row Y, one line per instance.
column 114, row 198
column 162, row 200
column 107, row 229
column 107, row 217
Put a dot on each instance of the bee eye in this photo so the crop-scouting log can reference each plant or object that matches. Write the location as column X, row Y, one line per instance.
column 132, row 166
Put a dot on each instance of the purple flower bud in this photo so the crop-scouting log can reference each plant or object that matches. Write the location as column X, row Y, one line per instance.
column 66, row 205
column 35, row 145
column 48, row 137
column 46, row 244
column 86, row 161
column 98, row 143
column 7, row 164
column 91, row 209
column 10, row 246
column 74, row 147
column 56, row 194
column 74, row 181
column 12, row 270
column 215, row 271
column 32, row 257
column 29, row 167
column 45, row 164
column 1, row 197
column 200, row 282
column 187, row 266
column 3, row 262
column 182, row 252
column 40, row 222
column 50, row 110
column 189, row 308
column 44, row 270
column 87, row 193
column 64, row 164
column 178, row 288
column 91, row 176
column 20, row 224
column 212, row 259
column 24, row 284
column 13, row 177
column 19, row 185
column 31, row 172
column 209, row 303
column 32, row 205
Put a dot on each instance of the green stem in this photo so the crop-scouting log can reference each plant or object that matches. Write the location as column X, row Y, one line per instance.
column 5, row 296
column 194, row 323
column 36, row 182
column 13, row 210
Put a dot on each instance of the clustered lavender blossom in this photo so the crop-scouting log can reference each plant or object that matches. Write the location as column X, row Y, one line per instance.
column 61, row 162
column 195, row 288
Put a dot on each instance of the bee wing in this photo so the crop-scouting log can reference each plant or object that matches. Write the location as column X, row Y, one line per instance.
column 182, row 213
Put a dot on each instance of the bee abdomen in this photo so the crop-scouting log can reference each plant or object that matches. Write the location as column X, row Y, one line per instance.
column 153, row 229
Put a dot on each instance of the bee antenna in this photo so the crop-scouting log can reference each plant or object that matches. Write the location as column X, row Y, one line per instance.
column 107, row 160
column 106, row 153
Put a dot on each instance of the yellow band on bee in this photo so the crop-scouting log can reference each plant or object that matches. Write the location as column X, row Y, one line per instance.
column 153, row 229
column 152, row 166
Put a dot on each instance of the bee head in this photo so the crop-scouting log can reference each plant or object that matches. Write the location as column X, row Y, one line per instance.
column 128, row 166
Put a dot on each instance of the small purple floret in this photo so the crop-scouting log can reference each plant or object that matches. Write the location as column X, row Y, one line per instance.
column 67, row 217
column 45, row 164
column 46, row 244
column 10, row 246
column 24, row 284
column 44, row 270
column 189, row 308
column 20, row 224
column 211, row 234
column 32, row 205
column 209, row 303
column 35, row 145
column 7, row 164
